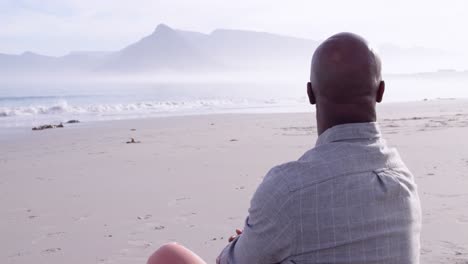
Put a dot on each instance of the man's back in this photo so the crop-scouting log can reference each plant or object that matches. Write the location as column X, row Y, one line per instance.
column 349, row 200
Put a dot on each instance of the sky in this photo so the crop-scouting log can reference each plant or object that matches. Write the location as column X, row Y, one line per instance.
column 56, row 27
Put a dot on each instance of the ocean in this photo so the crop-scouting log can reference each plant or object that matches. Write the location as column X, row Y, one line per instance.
column 33, row 105
column 29, row 104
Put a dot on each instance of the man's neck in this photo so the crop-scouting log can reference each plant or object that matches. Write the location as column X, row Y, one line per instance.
column 325, row 123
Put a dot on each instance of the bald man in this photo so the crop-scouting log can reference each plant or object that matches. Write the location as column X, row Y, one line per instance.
column 350, row 199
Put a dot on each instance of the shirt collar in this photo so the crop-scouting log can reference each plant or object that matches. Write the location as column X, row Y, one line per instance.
column 350, row 131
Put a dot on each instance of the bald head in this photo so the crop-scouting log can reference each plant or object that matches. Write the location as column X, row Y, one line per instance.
column 345, row 80
column 345, row 69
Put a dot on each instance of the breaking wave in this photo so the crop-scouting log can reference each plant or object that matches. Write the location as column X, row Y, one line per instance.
column 36, row 113
column 143, row 107
column 63, row 107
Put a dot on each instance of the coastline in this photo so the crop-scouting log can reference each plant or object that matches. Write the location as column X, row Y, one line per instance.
column 80, row 194
column 397, row 108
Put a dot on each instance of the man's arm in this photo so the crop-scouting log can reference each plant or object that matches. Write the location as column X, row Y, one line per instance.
column 269, row 233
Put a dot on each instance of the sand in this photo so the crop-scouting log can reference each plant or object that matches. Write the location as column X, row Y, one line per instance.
column 80, row 194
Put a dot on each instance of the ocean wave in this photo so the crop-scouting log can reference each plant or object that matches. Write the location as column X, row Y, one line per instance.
column 64, row 107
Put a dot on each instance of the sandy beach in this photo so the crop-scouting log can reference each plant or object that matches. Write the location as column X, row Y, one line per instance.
column 80, row 194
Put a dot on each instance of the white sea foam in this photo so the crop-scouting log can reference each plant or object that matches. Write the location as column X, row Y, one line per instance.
column 33, row 114
column 65, row 108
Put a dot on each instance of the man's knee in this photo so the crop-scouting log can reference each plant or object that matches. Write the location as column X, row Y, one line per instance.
column 165, row 253
column 173, row 253
column 170, row 247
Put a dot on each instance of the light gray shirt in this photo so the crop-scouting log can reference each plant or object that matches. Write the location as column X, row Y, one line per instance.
column 350, row 199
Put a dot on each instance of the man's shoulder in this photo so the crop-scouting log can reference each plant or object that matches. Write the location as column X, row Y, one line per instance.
column 291, row 175
column 279, row 187
column 323, row 163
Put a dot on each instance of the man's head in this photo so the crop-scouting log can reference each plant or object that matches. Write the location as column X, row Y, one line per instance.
column 345, row 81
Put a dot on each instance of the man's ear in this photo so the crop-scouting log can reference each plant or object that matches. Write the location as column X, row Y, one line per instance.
column 310, row 93
column 380, row 92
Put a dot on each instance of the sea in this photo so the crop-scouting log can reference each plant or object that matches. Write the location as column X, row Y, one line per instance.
column 29, row 104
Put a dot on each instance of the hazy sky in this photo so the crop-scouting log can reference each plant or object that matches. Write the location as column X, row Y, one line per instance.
column 55, row 27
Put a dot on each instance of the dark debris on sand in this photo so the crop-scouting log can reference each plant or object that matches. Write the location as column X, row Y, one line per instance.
column 50, row 126
column 73, row 121
column 133, row 141
column 47, row 127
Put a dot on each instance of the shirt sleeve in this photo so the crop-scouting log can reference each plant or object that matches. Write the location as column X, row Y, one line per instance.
column 269, row 232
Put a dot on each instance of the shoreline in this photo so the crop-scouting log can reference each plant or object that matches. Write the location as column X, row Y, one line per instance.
column 430, row 106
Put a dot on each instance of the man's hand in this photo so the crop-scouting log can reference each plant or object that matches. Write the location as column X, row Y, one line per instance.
column 238, row 233
column 231, row 238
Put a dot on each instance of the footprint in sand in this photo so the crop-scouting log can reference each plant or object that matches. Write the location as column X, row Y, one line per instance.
column 443, row 195
column 18, row 254
column 160, row 227
column 188, row 214
column 81, row 218
column 97, row 153
column 178, row 200
column 454, row 247
column 43, row 179
column 146, row 217
column 140, row 244
column 463, row 219
column 214, row 239
column 425, row 251
column 52, row 250
column 55, row 234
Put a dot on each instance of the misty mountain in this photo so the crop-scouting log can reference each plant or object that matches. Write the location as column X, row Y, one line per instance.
column 164, row 49
column 27, row 61
column 248, row 49
column 171, row 50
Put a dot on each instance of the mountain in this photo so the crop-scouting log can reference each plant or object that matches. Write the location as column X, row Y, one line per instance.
column 171, row 50
column 27, row 61
column 167, row 49
column 258, row 49
column 164, row 49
